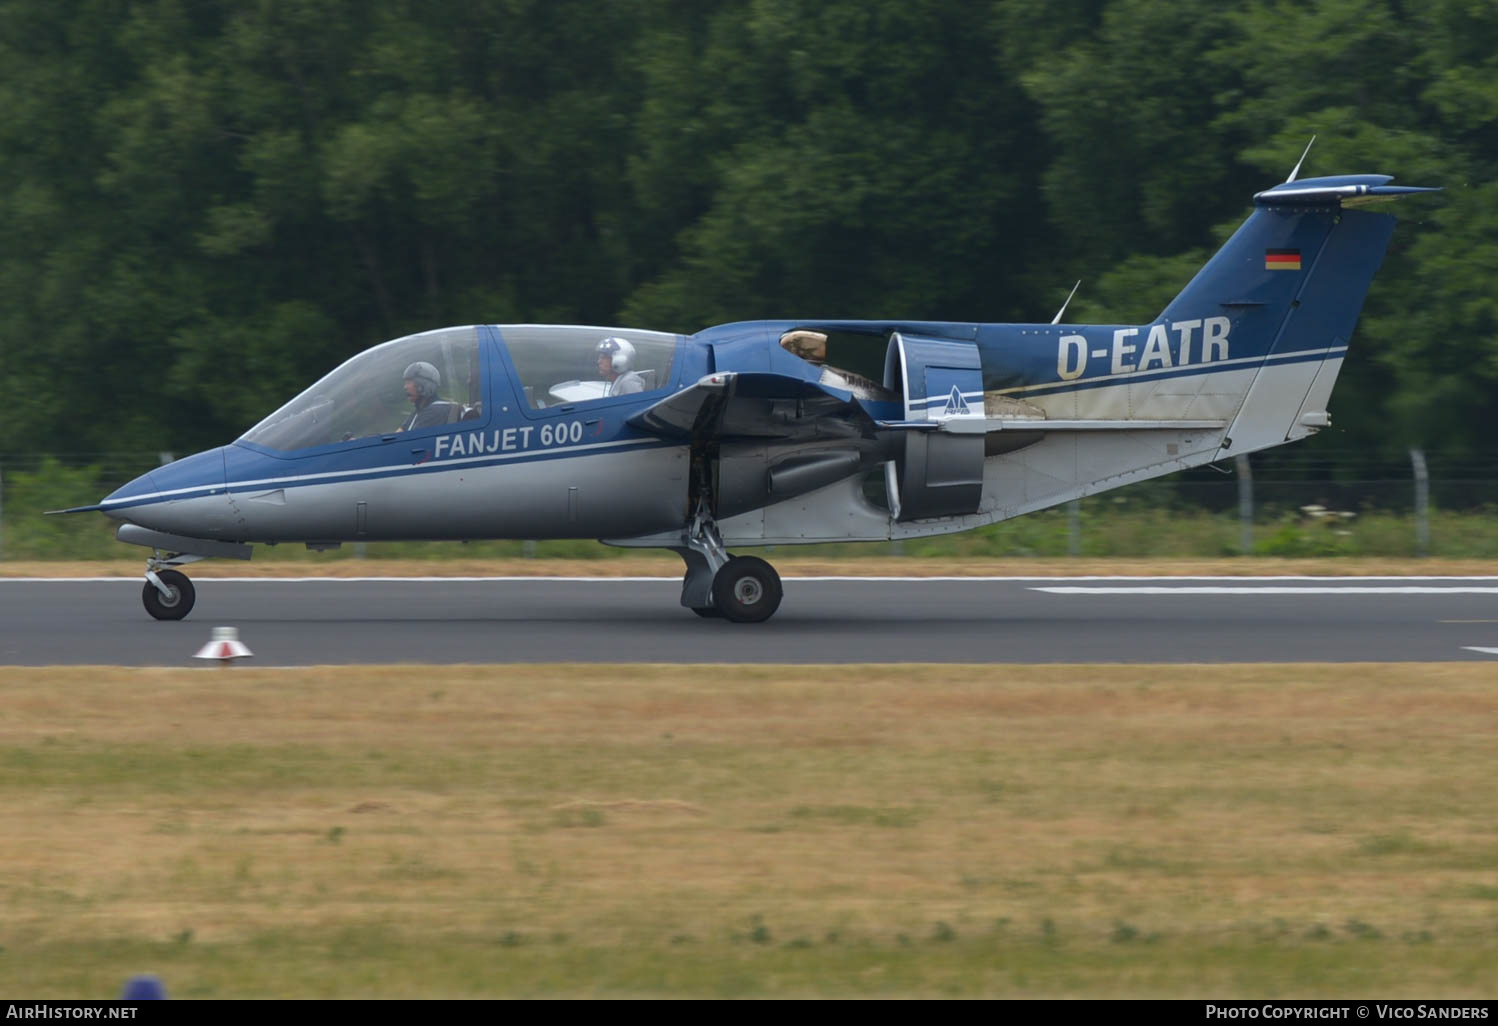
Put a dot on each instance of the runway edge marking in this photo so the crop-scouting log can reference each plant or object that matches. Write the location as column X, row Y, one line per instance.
column 1249, row 589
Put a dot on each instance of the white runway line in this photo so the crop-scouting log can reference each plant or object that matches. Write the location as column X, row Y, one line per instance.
column 1273, row 590
column 1239, row 584
column 1485, row 651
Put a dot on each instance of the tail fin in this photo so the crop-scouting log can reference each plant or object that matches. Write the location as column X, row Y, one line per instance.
column 1290, row 284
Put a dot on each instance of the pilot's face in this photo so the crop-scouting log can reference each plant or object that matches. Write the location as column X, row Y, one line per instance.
column 411, row 392
column 605, row 365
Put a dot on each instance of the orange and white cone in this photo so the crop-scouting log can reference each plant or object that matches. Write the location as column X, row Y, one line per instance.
column 224, row 646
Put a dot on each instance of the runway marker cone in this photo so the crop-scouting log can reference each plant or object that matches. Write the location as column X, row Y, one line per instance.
column 224, row 646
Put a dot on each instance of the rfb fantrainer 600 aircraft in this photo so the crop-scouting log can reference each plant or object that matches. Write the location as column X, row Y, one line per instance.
column 781, row 432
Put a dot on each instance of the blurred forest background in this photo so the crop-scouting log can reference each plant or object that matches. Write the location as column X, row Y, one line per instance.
column 207, row 204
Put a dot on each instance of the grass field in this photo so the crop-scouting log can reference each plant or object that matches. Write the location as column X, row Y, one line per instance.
column 1087, row 831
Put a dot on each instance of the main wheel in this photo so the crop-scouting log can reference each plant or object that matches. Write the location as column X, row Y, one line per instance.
column 175, row 605
column 747, row 590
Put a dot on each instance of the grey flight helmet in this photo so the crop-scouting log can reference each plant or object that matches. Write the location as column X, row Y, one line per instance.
column 428, row 381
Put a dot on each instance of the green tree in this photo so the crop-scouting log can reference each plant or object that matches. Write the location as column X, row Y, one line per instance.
column 208, row 205
column 856, row 159
column 204, row 204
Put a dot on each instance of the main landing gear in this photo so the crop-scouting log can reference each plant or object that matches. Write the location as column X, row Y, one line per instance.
column 168, row 594
column 742, row 589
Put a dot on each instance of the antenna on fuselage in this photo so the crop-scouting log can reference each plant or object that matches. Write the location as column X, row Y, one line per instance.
column 1073, row 292
column 1302, row 160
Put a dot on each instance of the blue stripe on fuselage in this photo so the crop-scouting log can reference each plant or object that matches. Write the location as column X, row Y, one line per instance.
column 274, row 470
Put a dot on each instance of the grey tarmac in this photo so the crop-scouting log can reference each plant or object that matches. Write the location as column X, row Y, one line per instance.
column 822, row 620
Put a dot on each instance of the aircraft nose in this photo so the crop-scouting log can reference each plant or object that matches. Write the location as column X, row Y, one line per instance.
column 187, row 497
column 120, row 503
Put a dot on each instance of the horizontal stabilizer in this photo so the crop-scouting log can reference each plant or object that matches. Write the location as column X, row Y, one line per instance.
column 1343, row 190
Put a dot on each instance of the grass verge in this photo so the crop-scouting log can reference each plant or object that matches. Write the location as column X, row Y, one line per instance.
column 1088, row 831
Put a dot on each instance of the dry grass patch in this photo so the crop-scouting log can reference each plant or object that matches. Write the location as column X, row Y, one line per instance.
column 1093, row 830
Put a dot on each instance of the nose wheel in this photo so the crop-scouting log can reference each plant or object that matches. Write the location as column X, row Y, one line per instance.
column 168, row 594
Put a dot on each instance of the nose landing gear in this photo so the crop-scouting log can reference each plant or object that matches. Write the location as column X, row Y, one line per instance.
column 168, row 594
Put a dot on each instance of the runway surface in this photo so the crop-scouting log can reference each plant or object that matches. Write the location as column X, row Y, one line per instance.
column 831, row 620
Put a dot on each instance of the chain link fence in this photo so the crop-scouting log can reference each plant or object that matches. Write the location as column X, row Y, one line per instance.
column 1303, row 502
column 30, row 485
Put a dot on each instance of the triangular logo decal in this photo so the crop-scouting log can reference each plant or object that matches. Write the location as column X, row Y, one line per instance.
column 956, row 405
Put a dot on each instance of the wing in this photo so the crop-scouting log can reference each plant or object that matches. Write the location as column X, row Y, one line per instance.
column 755, row 405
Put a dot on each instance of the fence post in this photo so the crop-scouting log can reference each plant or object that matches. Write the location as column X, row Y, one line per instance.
column 1074, row 528
column 1422, row 503
column 1245, row 505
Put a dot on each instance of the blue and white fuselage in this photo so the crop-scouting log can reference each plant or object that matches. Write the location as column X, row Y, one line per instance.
column 787, row 431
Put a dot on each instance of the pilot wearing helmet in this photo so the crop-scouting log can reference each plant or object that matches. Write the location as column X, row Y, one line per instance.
column 422, row 383
column 616, row 361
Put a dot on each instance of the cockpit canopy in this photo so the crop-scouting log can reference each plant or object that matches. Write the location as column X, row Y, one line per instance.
column 559, row 364
column 366, row 396
column 554, row 365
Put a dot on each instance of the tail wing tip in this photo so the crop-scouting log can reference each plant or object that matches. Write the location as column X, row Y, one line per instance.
column 1343, row 190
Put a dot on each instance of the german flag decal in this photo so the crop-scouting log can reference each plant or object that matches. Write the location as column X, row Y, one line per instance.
column 1282, row 260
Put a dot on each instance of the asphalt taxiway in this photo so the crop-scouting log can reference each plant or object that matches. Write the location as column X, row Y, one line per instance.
column 822, row 620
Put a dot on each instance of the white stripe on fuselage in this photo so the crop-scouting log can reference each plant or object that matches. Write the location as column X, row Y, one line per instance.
column 941, row 400
column 390, row 469
column 1182, row 371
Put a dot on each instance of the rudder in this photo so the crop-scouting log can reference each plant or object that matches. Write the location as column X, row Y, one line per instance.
column 1291, row 282
column 1289, row 395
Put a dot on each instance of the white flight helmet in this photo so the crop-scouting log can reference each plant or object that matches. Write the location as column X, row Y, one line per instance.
column 621, row 353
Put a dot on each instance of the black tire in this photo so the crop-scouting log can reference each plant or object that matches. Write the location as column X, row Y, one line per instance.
column 747, row 590
column 175, row 607
column 708, row 612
